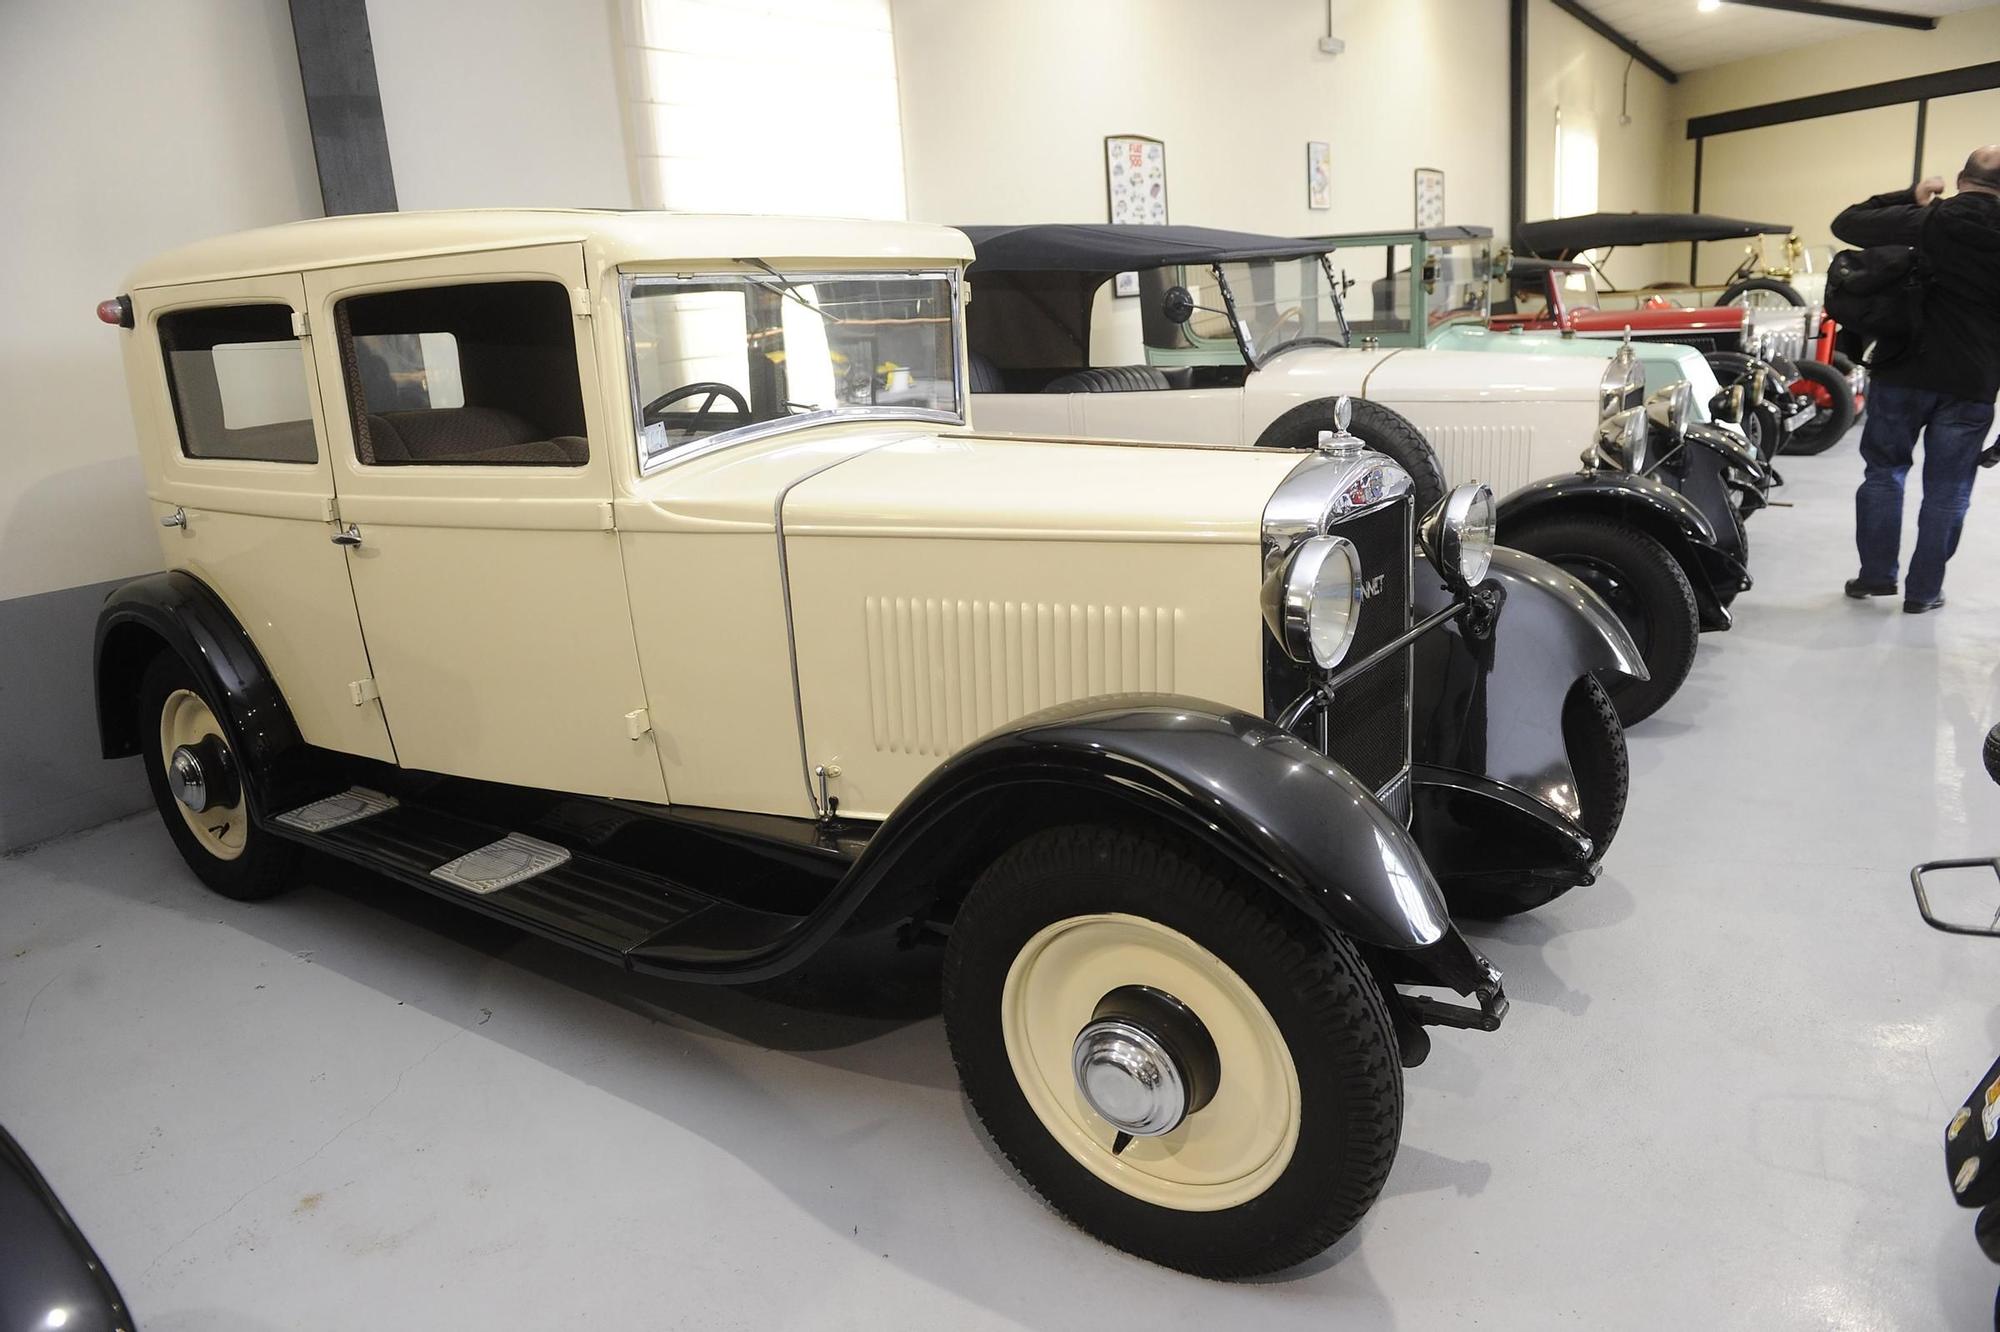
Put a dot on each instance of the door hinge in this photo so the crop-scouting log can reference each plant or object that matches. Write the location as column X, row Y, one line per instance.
column 363, row 691
column 300, row 327
column 579, row 299
column 329, row 509
column 637, row 723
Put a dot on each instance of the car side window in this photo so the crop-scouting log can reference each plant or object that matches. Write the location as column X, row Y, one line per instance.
column 475, row 374
column 237, row 377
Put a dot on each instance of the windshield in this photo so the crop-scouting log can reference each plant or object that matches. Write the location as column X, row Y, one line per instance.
column 1377, row 277
column 714, row 355
column 1281, row 303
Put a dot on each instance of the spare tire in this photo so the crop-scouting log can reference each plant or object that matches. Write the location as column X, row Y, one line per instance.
column 1735, row 291
column 1381, row 428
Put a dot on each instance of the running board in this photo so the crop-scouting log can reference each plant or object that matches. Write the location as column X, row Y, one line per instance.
column 641, row 919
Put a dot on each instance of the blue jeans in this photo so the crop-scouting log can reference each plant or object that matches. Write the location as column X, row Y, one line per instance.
column 1954, row 430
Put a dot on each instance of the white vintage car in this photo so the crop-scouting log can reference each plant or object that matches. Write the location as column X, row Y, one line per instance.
column 635, row 579
column 1237, row 338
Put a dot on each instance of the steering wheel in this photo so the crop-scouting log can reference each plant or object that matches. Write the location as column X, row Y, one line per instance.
column 714, row 390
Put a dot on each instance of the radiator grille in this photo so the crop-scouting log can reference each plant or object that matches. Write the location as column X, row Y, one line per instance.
column 1497, row 455
column 942, row 671
column 1368, row 722
column 1701, row 342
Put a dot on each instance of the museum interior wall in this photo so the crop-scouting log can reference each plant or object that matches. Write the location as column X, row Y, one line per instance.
column 1807, row 171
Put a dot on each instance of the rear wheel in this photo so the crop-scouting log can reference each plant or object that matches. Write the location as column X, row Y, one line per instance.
column 1645, row 587
column 1182, row 1065
column 1833, row 408
column 198, row 786
column 1595, row 741
column 1382, row 429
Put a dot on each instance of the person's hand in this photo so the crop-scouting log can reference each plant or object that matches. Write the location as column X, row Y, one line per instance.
column 1928, row 189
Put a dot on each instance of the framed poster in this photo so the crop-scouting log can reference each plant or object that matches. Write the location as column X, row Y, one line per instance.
column 1430, row 197
column 1135, row 189
column 1319, row 175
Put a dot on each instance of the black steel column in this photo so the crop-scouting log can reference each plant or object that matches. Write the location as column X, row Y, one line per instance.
column 1923, row 128
column 343, row 106
column 1694, row 247
column 1517, row 115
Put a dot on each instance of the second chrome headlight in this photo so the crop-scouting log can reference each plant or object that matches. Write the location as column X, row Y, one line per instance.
column 1459, row 534
column 1321, row 600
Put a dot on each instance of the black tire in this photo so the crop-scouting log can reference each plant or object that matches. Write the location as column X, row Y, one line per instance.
column 1646, row 587
column 1765, row 430
column 1735, row 290
column 1329, row 1012
column 265, row 865
column 1381, row 428
column 1830, row 423
column 1595, row 739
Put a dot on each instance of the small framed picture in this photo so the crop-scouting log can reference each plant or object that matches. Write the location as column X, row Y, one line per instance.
column 1430, row 197
column 1319, row 175
column 1135, row 189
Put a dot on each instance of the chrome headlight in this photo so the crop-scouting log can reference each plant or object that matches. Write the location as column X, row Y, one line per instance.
column 1672, row 408
column 1459, row 534
column 1321, row 600
column 1622, row 385
column 1620, row 443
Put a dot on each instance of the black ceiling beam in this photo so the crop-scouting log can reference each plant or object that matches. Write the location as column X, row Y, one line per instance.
column 1852, row 13
column 1575, row 9
column 1517, row 114
column 1895, row 92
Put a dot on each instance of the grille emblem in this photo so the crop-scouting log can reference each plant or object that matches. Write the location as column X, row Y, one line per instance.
column 1370, row 587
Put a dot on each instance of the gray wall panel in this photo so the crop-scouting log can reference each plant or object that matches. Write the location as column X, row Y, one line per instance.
column 51, row 779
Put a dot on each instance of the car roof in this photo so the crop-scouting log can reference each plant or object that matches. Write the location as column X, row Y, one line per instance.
column 1524, row 265
column 1104, row 247
column 1562, row 237
column 1450, row 233
column 616, row 237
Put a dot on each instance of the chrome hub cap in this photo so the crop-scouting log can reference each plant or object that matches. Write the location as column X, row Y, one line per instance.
column 1128, row 1077
column 186, row 779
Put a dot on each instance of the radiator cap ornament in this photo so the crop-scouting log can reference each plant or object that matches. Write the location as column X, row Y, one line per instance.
column 1338, row 441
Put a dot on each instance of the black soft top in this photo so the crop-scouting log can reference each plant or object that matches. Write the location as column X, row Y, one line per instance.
column 1565, row 237
column 1104, row 247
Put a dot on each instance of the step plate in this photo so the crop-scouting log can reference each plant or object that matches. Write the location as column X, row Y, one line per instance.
column 335, row 811
column 511, row 860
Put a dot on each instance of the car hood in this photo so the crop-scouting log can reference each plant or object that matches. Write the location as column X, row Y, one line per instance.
column 965, row 485
column 1444, row 375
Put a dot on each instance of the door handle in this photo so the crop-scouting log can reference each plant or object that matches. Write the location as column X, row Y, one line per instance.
column 349, row 535
column 178, row 518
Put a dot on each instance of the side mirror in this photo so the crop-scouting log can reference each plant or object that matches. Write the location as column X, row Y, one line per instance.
column 1177, row 305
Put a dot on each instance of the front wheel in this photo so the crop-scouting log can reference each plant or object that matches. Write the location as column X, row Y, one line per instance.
column 1833, row 408
column 197, row 785
column 1180, row 1064
column 1646, row 588
column 1382, row 429
column 1594, row 738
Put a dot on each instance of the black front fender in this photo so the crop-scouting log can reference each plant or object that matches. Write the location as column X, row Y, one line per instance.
column 178, row 613
column 1487, row 732
column 1652, row 506
column 1237, row 784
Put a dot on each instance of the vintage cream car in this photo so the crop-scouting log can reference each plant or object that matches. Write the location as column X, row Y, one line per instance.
column 1236, row 338
column 636, row 579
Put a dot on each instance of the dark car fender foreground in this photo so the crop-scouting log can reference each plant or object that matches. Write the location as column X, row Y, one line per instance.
column 50, row 1277
column 1494, row 792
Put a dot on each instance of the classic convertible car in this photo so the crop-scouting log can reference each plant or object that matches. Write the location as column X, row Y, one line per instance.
column 1807, row 406
column 1247, row 339
column 635, row 579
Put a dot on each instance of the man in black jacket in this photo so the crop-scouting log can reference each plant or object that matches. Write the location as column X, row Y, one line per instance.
column 1943, row 386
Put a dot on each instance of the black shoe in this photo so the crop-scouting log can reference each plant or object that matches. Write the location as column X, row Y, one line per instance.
column 1924, row 607
column 1863, row 588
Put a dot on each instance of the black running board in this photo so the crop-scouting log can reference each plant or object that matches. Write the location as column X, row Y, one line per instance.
column 641, row 920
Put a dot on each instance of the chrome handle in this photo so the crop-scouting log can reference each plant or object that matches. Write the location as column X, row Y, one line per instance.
column 349, row 535
column 178, row 518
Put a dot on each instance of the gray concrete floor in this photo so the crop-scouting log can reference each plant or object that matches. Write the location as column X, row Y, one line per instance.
column 1717, row 1102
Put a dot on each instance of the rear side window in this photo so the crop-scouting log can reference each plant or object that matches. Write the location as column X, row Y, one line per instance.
column 238, row 381
column 478, row 374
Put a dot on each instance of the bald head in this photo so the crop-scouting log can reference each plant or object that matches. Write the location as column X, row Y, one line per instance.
column 1982, row 170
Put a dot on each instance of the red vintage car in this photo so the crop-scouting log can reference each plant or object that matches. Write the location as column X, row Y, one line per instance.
column 1815, row 396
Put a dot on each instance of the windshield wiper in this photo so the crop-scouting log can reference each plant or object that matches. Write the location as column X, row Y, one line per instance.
column 784, row 288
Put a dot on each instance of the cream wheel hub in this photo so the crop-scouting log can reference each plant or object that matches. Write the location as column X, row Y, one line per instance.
column 201, row 774
column 1151, row 1061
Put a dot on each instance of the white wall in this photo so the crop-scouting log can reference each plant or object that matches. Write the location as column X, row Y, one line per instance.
column 132, row 126
column 1806, row 172
column 503, row 102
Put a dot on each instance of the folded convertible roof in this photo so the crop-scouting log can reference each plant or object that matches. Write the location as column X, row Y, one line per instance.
column 1103, row 247
column 1566, row 237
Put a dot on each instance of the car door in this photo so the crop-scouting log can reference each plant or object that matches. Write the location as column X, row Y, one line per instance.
column 475, row 497
column 244, row 482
